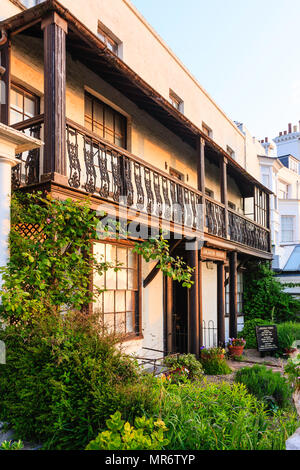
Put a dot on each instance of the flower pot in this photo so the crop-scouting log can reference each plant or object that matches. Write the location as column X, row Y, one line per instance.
column 236, row 350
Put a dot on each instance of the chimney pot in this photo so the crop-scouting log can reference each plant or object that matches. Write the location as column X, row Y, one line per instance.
column 290, row 128
column 267, row 140
column 280, row 134
column 285, row 133
column 294, row 128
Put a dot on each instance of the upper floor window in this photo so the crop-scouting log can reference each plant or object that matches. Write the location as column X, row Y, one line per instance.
column 231, row 205
column 108, row 38
column 209, row 193
column 230, row 152
column 105, row 121
column 283, row 191
column 23, row 104
column 287, row 228
column 176, row 174
column 176, row 102
column 207, row 130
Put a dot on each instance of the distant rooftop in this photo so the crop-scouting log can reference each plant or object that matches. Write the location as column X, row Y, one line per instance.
column 293, row 263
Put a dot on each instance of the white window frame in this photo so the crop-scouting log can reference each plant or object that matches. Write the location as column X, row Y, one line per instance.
column 287, row 234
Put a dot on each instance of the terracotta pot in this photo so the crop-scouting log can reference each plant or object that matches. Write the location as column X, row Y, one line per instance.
column 236, row 350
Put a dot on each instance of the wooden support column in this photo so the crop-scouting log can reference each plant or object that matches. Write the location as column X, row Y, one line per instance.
column 5, row 74
column 201, row 171
column 233, row 294
column 193, row 296
column 224, row 196
column 55, row 30
column 221, row 305
column 168, row 314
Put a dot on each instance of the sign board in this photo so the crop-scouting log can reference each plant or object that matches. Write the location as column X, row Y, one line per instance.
column 212, row 254
column 267, row 339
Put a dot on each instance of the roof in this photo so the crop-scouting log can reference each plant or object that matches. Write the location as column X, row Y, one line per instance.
column 92, row 52
column 293, row 263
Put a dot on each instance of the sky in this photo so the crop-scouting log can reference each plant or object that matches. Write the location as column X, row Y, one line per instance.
column 245, row 53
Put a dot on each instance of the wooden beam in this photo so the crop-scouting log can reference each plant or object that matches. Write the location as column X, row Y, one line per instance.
column 55, row 30
column 193, row 296
column 5, row 54
column 221, row 304
column 233, row 294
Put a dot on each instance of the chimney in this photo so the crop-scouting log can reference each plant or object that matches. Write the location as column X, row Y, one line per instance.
column 290, row 128
column 285, row 133
column 262, row 142
column 294, row 128
column 267, row 140
column 280, row 133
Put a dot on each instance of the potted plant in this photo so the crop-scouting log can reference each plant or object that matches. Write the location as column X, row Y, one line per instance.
column 236, row 346
column 212, row 353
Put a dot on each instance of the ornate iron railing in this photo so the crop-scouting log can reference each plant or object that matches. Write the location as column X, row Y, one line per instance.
column 103, row 169
column 248, row 233
column 215, row 218
column 27, row 172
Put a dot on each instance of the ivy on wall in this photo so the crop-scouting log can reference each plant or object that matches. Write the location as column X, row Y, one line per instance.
column 51, row 268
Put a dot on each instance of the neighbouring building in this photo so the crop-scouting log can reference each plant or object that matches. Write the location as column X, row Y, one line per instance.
column 124, row 121
column 280, row 172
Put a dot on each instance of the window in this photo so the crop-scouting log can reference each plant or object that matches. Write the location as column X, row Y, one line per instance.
column 23, row 105
column 240, row 294
column 176, row 174
column 209, row 193
column 232, row 206
column 230, row 152
column 266, row 180
column 207, row 130
column 283, row 191
column 119, row 304
column 106, row 36
column 104, row 121
column 176, row 102
column 287, row 228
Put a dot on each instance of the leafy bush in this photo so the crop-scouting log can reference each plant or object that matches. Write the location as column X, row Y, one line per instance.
column 63, row 378
column 144, row 435
column 215, row 366
column 292, row 369
column 288, row 333
column 185, row 361
column 265, row 296
column 249, row 332
column 12, row 445
column 222, row 417
column 266, row 385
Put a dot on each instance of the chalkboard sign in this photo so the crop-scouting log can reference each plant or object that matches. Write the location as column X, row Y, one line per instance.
column 267, row 339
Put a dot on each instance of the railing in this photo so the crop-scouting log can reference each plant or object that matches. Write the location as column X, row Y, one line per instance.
column 246, row 232
column 98, row 167
column 210, row 334
column 215, row 218
column 28, row 170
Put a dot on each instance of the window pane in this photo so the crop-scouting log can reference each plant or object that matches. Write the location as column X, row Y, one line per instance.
column 29, row 106
column 129, row 322
column 16, row 100
column 98, row 118
column 109, row 322
column 120, row 323
column 109, row 302
column 120, row 301
column 122, row 256
column 132, row 281
column 109, row 125
column 122, row 279
column 129, row 300
column 111, row 279
column 111, row 253
column 15, row 117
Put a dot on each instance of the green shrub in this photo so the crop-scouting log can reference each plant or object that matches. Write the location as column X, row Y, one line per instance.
column 215, row 366
column 222, row 417
column 249, row 332
column 185, row 361
column 266, row 385
column 287, row 333
column 292, row 369
column 62, row 380
column 265, row 296
column 12, row 445
column 146, row 434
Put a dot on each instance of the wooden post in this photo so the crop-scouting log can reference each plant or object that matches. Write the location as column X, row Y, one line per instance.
column 193, row 296
column 233, row 294
column 224, row 197
column 168, row 314
column 5, row 54
column 55, row 30
column 201, row 172
column 221, row 305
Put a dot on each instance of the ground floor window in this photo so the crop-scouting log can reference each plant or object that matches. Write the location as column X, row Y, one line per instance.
column 119, row 304
column 240, row 293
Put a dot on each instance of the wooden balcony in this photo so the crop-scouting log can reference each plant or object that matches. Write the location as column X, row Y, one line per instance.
column 103, row 170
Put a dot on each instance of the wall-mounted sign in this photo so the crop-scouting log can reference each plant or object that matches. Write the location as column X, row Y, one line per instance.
column 212, row 254
column 267, row 339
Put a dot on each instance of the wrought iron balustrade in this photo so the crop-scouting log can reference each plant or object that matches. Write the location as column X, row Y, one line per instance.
column 248, row 233
column 27, row 172
column 215, row 218
column 102, row 169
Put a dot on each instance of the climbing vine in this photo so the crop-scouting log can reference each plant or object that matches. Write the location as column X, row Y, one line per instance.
column 52, row 266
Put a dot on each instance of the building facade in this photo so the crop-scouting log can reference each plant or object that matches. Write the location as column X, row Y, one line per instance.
column 280, row 172
column 125, row 122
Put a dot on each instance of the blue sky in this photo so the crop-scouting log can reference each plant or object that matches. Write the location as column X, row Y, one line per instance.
column 245, row 53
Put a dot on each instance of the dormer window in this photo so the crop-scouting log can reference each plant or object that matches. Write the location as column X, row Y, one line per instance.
column 106, row 36
column 176, row 102
column 207, row 130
